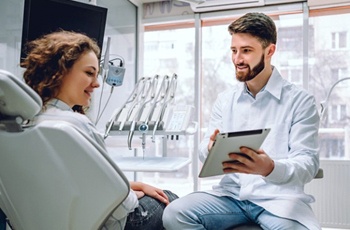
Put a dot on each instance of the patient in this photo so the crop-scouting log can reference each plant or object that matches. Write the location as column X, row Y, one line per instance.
column 62, row 67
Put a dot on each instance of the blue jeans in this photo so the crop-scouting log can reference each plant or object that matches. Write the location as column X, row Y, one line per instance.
column 148, row 215
column 201, row 210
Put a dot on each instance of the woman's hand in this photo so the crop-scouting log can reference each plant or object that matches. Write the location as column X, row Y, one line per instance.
column 139, row 194
column 142, row 189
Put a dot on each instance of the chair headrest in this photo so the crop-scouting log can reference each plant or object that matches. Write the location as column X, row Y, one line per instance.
column 17, row 98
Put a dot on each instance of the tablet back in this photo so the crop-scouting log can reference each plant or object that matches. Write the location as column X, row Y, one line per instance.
column 226, row 143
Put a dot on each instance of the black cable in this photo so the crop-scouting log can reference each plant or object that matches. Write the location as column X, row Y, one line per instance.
column 121, row 61
column 103, row 74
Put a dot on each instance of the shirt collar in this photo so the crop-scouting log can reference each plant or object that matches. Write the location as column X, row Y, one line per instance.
column 59, row 104
column 273, row 86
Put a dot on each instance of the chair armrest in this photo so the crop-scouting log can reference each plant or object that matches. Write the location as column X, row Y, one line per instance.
column 319, row 174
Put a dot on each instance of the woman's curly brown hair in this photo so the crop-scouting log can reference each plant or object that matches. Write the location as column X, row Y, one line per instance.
column 50, row 57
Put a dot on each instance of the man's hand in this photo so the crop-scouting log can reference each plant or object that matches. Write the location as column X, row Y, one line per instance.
column 250, row 162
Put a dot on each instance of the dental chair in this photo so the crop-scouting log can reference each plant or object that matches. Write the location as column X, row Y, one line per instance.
column 52, row 176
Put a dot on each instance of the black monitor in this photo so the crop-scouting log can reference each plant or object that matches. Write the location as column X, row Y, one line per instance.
column 45, row 16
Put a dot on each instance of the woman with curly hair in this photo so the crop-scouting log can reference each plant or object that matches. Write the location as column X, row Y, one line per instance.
column 62, row 67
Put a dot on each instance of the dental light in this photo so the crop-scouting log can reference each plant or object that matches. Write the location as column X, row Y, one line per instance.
column 113, row 74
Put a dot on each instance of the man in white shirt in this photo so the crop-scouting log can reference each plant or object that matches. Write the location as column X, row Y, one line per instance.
column 268, row 187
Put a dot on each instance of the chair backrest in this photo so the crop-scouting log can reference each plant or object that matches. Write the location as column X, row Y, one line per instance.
column 18, row 102
column 52, row 176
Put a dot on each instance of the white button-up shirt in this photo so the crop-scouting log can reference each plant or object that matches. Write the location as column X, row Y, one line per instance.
column 292, row 143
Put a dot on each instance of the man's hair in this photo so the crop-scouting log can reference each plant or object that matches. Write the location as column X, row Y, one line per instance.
column 258, row 25
column 50, row 57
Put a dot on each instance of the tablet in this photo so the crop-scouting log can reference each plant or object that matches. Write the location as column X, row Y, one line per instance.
column 226, row 143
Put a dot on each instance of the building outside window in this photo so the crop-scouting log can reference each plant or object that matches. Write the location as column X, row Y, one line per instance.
column 328, row 61
column 339, row 40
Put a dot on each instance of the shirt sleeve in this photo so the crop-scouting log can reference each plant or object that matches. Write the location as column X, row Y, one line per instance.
column 215, row 122
column 302, row 162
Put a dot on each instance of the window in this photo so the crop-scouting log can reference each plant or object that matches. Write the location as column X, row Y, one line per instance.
column 334, row 146
column 172, row 50
column 292, row 74
column 339, row 73
column 167, row 52
column 334, row 113
column 339, row 40
column 338, row 113
column 328, row 64
column 342, row 39
column 290, row 39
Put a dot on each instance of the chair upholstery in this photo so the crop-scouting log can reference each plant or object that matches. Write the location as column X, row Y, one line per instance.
column 52, row 176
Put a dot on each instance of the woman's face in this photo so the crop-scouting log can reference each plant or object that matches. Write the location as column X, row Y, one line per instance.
column 80, row 81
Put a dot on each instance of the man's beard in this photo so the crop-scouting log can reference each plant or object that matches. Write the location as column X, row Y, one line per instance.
column 252, row 73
